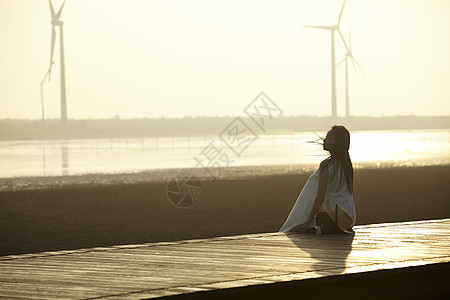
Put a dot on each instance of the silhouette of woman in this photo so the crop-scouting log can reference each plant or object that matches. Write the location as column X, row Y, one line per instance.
column 326, row 203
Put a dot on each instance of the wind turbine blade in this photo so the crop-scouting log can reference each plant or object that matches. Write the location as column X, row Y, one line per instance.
column 354, row 60
column 319, row 27
column 52, row 11
column 349, row 40
column 45, row 77
column 340, row 14
column 58, row 15
column 342, row 60
column 345, row 43
column 52, row 48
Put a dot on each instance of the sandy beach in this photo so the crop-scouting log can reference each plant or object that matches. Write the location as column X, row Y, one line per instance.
column 94, row 213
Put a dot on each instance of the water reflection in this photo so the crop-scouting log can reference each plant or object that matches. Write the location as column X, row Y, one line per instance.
column 368, row 149
column 65, row 159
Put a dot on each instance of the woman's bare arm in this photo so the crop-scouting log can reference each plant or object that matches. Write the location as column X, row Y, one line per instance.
column 320, row 197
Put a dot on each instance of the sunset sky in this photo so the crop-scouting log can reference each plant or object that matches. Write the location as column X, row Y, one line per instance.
column 211, row 58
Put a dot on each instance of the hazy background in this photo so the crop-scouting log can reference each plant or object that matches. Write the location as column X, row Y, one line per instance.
column 138, row 75
column 173, row 58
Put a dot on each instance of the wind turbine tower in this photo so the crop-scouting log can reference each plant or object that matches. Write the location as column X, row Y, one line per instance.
column 56, row 21
column 333, row 29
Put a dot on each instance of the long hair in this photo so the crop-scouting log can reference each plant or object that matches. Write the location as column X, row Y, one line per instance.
column 339, row 153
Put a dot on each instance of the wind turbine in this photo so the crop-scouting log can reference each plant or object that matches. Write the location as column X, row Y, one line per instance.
column 56, row 21
column 333, row 29
column 345, row 59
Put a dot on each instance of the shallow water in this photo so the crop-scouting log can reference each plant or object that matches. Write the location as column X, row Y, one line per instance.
column 115, row 156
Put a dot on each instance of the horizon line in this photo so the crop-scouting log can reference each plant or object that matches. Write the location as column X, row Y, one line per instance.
column 218, row 117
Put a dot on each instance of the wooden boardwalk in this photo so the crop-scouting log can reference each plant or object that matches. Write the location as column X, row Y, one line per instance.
column 244, row 265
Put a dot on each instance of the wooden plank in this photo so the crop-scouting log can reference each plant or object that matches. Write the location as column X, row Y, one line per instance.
column 170, row 268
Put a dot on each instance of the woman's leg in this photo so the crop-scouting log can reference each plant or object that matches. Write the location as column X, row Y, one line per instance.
column 326, row 224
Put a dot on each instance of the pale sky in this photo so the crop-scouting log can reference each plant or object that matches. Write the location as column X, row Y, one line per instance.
column 168, row 58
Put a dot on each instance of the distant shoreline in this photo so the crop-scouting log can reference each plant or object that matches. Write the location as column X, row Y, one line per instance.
column 12, row 129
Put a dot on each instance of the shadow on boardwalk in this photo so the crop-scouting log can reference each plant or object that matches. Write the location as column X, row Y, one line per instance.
column 328, row 251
